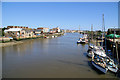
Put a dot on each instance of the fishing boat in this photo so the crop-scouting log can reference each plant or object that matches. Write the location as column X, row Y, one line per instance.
column 90, row 48
column 82, row 41
column 90, row 54
column 96, row 50
column 78, row 41
column 100, row 53
column 111, row 65
column 99, row 64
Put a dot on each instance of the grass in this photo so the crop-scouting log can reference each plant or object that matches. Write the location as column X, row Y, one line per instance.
column 4, row 41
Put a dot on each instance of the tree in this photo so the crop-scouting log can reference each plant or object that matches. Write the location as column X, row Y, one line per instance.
column 3, row 33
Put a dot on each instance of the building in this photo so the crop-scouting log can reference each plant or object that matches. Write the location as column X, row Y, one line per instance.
column 111, row 31
column 119, row 14
column 28, row 33
column 19, row 33
column 42, row 30
column 8, row 27
column 37, row 32
column 55, row 30
column 14, row 32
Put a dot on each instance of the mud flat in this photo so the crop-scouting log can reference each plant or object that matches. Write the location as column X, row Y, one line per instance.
column 10, row 43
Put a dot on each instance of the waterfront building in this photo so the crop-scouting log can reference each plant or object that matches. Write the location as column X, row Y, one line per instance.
column 29, row 34
column 14, row 32
column 42, row 30
column 8, row 27
column 37, row 32
column 111, row 31
column 55, row 30
column 18, row 33
column 52, row 31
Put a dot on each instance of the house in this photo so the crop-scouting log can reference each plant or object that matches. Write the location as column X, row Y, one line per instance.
column 19, row 33
column 29, row 33
column 8, row 27
column 42, row 30
column 15, row 33
column 55, row 30
column 52, row 31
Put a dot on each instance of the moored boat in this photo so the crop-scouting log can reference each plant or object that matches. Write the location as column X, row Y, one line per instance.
column 78, row 41
column 100, row 53
column 99, row 64
column 82, row 41
column 90, row 54
column 111, row 65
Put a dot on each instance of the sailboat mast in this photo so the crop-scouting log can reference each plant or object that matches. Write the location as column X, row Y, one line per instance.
column 104, row 31
column 92, row 32
column 102, row 28
column 79, row 28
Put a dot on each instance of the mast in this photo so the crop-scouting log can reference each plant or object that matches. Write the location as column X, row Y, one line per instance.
column 102, row 28
column 92, row 32
column 79, row 28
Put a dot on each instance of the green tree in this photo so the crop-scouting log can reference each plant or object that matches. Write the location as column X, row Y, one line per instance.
column 3, row 33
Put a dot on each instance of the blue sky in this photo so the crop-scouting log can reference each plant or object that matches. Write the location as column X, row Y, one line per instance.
column 66, row 15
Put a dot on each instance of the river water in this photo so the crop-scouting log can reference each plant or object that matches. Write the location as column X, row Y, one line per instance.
column 58, row 57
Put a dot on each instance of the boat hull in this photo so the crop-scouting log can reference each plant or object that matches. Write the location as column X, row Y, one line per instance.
column 112, row 70
column 90, row 55
column 82, row 42
column 78, row 42
column 103, row 70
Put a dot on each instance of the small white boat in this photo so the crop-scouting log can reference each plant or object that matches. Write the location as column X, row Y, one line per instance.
column 52, row 36
column 100, row 65
column 82, row 41
column 78, row 41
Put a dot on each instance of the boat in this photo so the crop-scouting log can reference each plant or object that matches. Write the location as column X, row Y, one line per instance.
column 78, row 41
column 82, row 40
column 100, row 53
column 99, row 64
column 96, row 50
column 90, row 48
column 46, row 37
column 52, row 36
column 111, row 65
column 90, row 54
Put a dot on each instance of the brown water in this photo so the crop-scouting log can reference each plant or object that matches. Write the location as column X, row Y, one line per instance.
column 59, row 57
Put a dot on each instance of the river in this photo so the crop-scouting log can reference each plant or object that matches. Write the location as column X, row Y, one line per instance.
column 58, row 57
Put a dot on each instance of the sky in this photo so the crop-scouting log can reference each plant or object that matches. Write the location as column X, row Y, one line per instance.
column 66, row 15
column 60, row 0
column 119, row 15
